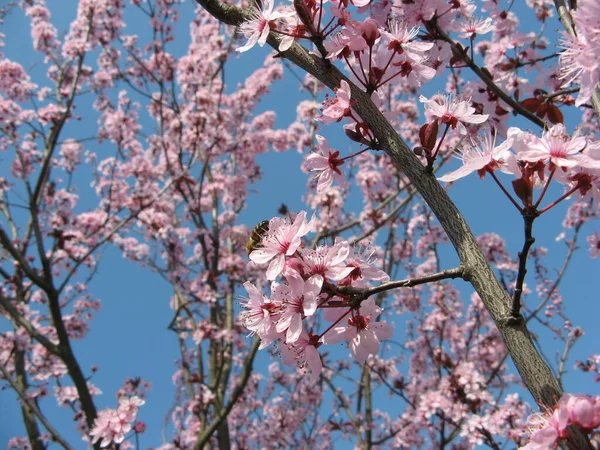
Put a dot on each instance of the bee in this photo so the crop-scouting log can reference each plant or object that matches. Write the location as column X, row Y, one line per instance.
column 257, row 235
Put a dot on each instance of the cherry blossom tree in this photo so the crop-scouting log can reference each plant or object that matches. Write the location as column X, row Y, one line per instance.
column 371, row 336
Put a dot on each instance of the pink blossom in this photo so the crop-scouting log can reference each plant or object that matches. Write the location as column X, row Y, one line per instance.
column 338, row 107
column 14, row 81
column 43, row 32
column 350, row 39
column 362, row 331
column 283, row 239
column 593, row 241
column 291, row 26
column 70, row 152
column 584, row 411
column 257, row 28
column 261, row 315
column 362, row 264
column 111, row 425
column 327, row 262
column 327, row 162
column 414, row 68
column 298, row 299
column 401, row 39
column 128, row 407
column 453, row 111
column 369, row 30
column 470, row 28
column 304, row 352
column 559, row 149
column 549, row 426
column 483, row 156
column 580, row 61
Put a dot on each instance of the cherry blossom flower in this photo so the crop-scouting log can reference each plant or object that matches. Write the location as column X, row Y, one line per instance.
column 338, row 45
column 453, row 111
column 335, row 109
column 470, row 28
column 593, row 241
column 350, row 39
column 111, row 425
column 362, row 331
column 257, row 28
column 556, row 147
column 363, row 269
column 327, row 262
column 546, row 428
column 580, row 61
column 414, row 68
column 290, row 27
column 483, row 156
column 283, row 239
column 261, row 315
column 14, row 81
column 298, row 298
column 584, row 411
column 304, row 352
column 549, row 426
column 70, row 153
column 326, row 161
column 401, row 39
column 128, row 407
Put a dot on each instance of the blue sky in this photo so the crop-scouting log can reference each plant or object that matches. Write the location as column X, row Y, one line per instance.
column 129, row 335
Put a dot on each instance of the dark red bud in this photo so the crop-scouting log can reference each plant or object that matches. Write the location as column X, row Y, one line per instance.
column 524, row 191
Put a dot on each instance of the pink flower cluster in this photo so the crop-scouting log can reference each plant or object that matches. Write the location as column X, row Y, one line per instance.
column 111, row 425
column 385, row 48
column 573, row 161
column 549, row 427
column 319, row 278
column 580, row 61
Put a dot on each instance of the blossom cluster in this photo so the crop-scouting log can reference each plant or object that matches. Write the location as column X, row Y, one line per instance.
column 387, row 48
column 112, row 425
column 580, row 60
column 326, row 278
column 549, row 427
column 573, row 161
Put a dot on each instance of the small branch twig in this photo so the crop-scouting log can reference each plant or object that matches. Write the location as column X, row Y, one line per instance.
column 515, row 311
column 489, row 82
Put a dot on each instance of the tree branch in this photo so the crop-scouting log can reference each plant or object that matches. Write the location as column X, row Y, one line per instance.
column 534, row 371
column 221, row 415
column 489, row 82
column 27, row 401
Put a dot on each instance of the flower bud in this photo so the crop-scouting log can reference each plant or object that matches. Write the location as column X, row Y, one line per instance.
column 370, row 31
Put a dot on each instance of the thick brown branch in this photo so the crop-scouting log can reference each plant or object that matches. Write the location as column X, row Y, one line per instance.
column 68, row 357
column 21, row 385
